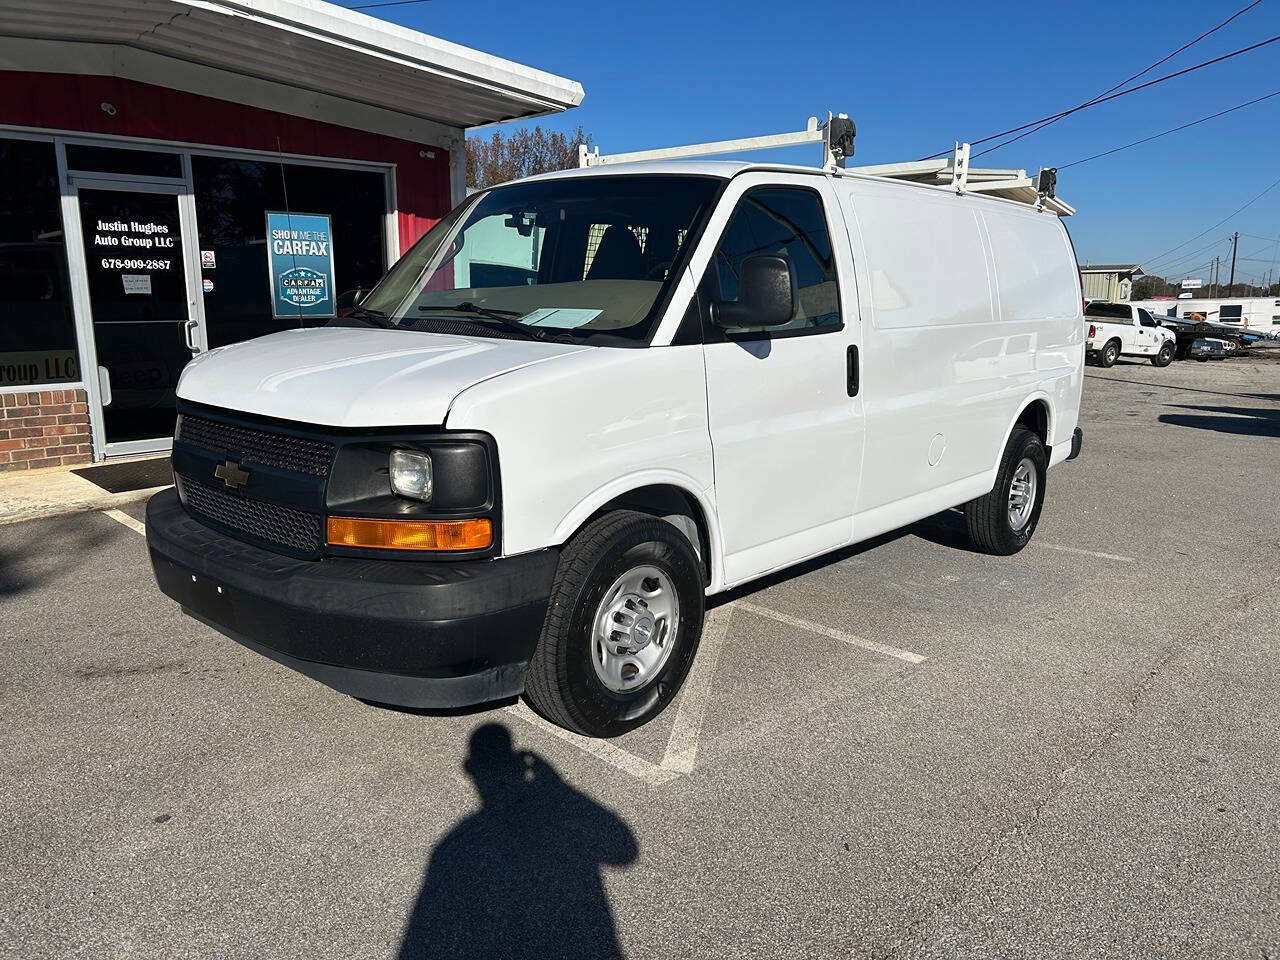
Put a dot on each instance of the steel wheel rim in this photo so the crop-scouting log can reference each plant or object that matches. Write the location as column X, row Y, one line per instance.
column 1022, row 494
column 1111, row 354
column 634, row 629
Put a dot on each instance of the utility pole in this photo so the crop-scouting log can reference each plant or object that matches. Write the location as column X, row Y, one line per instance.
column 1213, row 290
column 1235, row 242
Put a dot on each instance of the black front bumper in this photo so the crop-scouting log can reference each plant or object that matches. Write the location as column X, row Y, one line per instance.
column 413, row 634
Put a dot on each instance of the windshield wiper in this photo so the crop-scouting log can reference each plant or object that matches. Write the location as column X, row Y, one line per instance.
column 501, row 317
column 375, row 317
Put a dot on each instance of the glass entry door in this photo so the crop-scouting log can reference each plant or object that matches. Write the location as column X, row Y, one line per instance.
column 142, row 302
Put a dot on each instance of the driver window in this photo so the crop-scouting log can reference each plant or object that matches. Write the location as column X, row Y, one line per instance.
column 1145, row 318
column 789, row 222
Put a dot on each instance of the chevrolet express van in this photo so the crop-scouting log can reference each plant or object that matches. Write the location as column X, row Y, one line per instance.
column 586, row 401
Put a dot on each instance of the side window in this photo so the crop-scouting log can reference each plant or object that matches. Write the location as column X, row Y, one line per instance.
column 1145, row 318
column 785, row 221
column 499, row 251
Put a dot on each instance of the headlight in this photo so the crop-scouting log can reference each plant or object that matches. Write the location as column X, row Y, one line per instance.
column 411, row 474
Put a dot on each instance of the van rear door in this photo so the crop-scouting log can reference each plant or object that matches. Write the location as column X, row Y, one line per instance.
column 783, row 403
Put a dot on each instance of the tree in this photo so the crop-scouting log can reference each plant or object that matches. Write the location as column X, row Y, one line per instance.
column 524, row 153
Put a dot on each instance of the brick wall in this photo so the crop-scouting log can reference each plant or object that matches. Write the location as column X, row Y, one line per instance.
column 46, row 428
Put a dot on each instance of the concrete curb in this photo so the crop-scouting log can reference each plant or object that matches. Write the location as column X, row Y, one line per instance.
column 57, row 492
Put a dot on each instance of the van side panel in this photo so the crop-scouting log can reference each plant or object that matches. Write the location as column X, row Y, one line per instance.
column 932, row 346
column 961, row 329
column 1037, row 288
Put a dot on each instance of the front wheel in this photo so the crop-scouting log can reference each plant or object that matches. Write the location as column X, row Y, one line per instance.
column 622, row 626
column 1002, row 521
column 1165, row 356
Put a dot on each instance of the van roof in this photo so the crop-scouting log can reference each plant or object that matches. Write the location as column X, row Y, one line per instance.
column 728, row 169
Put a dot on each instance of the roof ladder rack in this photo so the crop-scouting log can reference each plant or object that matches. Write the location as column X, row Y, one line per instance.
column 836, row 137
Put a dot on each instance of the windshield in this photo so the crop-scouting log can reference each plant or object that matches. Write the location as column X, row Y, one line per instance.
column 583, row 258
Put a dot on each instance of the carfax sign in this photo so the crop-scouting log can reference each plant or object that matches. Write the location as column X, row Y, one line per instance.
column 300, row 255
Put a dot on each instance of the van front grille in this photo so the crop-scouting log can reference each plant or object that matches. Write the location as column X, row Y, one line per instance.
column 252, row 445
column 295, row 530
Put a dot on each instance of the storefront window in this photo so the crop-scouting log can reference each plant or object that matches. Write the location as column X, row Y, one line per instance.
column 233, row 198
column 147, row 163
column 37, row 329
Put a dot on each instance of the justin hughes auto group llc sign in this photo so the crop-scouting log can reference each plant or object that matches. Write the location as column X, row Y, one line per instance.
column 300, row 254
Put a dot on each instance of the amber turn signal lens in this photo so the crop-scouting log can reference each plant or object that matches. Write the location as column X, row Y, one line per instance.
column 410, row 534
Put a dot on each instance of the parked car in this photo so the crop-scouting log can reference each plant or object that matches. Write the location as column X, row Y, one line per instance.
column 1121, row 329
column 472, row 487
column 1211, row 348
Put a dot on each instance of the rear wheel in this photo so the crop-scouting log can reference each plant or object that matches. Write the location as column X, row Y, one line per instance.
column 1003, row 521
column 622, row 626
column 1165, row 356
column 1110, row 354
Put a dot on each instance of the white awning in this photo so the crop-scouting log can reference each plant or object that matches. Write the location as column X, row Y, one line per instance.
column 311, row 45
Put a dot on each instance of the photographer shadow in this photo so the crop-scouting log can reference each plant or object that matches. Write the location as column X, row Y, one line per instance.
column 521, row 876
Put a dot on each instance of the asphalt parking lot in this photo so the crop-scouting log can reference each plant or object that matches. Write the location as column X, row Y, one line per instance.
column 907, row 749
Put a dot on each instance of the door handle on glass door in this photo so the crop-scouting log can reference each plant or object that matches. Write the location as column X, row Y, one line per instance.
column 104, row 386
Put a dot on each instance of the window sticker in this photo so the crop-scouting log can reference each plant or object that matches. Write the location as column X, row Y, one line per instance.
column 137, row 283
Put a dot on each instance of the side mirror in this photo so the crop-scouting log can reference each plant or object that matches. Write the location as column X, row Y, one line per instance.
column 766, row 295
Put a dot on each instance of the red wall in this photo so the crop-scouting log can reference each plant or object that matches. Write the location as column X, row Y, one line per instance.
column 72, row 103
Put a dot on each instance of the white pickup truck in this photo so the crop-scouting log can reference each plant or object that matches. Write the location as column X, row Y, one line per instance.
column 1122, row 329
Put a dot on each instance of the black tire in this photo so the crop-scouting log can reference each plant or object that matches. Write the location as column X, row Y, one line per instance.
column 1109, row 354
column 562, row 684
column 987, row 517
column 1165, row 356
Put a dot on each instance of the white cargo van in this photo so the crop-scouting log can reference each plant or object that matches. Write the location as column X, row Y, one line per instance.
column 585, row 401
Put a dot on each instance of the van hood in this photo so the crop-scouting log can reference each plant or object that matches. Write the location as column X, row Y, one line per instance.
column 355, row 377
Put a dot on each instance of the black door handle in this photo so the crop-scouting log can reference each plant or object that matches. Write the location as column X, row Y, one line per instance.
column 852, row 369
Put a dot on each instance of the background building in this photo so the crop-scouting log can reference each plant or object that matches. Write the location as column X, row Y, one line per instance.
column 151, row 151
column 1109, row 281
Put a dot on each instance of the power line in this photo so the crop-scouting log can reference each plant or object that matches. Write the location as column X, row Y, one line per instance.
column 1128, row 80
column 1165, row 133
column 1177, row 262
column 1189, row 254
column 1121, row 93
column 1273, row 185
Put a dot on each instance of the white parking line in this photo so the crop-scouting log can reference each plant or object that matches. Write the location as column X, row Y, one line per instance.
column 1090, row 553
column 638, row 767
column 691, row 711
column 120, row 517
column 840, row 635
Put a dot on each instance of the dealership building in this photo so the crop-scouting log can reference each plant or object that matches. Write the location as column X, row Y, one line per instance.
column 175, row 176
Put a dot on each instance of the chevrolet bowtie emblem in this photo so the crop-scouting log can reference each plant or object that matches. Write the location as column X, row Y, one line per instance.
column 231, row 474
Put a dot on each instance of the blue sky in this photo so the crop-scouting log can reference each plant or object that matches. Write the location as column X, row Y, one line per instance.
column 916, row 77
